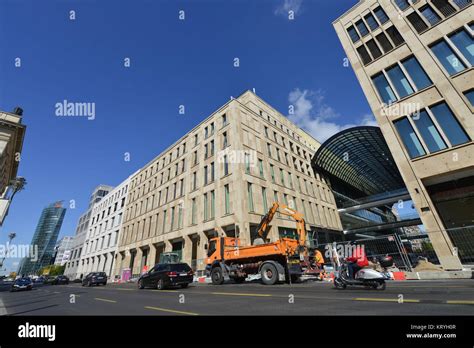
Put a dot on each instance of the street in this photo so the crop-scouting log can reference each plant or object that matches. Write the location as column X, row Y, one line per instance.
column 310, row 298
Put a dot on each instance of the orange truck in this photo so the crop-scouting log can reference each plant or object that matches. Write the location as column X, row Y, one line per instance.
column 285, row 260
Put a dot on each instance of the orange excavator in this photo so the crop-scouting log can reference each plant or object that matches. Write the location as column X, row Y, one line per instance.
column 286, row 259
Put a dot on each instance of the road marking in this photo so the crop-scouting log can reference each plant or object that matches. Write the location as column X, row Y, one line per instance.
column 125, row 289
column 56, row 292
column 460, row 302
column 104, row 299
column 167, row 290
column 384, row 299
column 3, row 310
column 240, row 294
column 170, row 310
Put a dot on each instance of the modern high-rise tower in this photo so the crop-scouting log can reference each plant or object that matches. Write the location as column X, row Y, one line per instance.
column 44, row 239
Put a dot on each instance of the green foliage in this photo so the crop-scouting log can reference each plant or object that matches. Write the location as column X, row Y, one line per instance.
column 52, row 270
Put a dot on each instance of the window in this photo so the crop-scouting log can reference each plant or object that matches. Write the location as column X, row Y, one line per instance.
column 353, row 35
column 226, row 165
column 464, row 43
column 195, row 157
column 364, row 55
column 224, row 120
column 409, row 138
column 449, row 124
column 269, row 149
column 444, row 7
column 462, row 3
column 272, row 172
column 213, row 204
column 205, row 175
column 250, row 197
column 212, row 148
column 180, row 216
column 447, row 57
column 417, row 22
column 381, row 15
column 371, row 21
column 196, row 139
column 193, row 211
column 470, row 96
column 429, row 132
column 395, row 36
column 282, row 177
column 374, row 49
column 384, row 42
column 264, row 199
column 194, row 181
column 212, row 172
column 164, row 221
column 247, row 163
column 430, row 14
column 226, row 199
column 205, row 208
column 260, row 167
column 290, row 179
column 402, row 4
column 416, row 72
column 362, row 28
column 225, row 140
column 384, row 89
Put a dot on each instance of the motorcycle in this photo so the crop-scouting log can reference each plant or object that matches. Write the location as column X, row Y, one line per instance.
column 367, row 277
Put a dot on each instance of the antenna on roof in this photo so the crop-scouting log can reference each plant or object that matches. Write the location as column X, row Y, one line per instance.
column 231, row 97
column 253, row 90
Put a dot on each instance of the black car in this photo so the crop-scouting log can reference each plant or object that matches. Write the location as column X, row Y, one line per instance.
column 60, row 279
column 22, row 284
column 48, row 280
column 95, row 278
column 164, row 275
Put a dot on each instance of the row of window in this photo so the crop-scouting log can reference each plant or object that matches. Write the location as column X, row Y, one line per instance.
column 93, row 245
column 107, row 225
column 380, row 45
column 401, row 80
column 323, row 215
column 432, row 13
column 433, row 129
column 372, row 20
column 456, row 51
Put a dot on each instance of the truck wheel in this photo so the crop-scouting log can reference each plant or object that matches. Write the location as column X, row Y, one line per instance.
column 217, row 276
column 269, row 274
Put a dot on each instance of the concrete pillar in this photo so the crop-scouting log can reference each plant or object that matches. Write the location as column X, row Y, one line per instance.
column 151, row 256
column 187, row 249
column 138, row 261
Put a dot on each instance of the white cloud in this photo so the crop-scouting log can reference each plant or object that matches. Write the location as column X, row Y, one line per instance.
column 316, row 117
column 287, row 5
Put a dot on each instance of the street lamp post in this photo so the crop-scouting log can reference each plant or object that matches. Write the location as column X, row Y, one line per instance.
column 11, row 236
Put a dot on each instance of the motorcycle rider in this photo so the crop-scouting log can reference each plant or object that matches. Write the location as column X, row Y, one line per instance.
column 357, row 261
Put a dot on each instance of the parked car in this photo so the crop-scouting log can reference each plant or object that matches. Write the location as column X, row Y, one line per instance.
column 60, row 279
column 6, row 283
column 48, row 280
column 95, row 278
column 24, row 283
column 164, row 275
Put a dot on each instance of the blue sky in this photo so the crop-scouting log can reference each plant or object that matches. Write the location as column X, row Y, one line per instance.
column 172, row 62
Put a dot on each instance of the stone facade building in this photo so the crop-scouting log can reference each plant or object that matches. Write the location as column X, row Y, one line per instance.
column 414, row 60
column 220, row 179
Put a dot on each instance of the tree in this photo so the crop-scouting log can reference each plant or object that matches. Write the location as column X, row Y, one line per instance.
column 52, row 270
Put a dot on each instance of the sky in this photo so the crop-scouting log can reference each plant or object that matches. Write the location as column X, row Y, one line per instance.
column 50, row 54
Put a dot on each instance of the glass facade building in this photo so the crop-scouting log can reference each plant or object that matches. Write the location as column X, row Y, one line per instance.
column 44, row 239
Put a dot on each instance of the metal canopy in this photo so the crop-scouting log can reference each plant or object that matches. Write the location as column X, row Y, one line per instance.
column 360, row 157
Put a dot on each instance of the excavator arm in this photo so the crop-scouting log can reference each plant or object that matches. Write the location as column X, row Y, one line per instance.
column 285, row 210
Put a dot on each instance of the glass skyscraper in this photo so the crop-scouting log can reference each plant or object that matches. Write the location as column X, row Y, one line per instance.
column 45, row 238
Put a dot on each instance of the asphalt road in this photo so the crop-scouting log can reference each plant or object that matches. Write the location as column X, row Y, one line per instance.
column 310, row 298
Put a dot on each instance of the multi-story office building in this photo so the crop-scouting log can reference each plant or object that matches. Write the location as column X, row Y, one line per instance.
column 44, row 239
column 63, row 250
column 12, row 132
column 101, row 240
column 220, row 179
column 414, row 60
column 81, row 231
